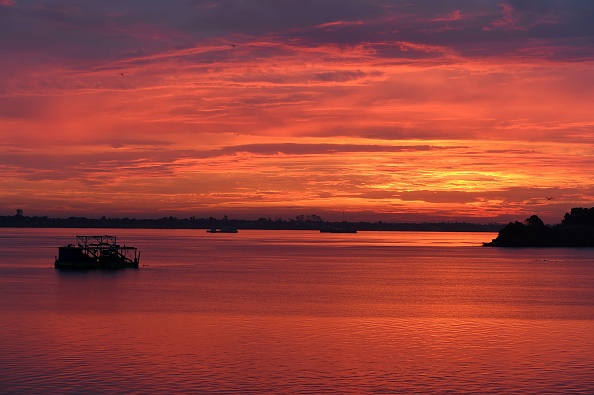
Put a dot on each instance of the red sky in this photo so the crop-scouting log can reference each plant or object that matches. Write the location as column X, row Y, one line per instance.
column 386, row 110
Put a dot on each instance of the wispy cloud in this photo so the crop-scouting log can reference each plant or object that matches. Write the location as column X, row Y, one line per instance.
column 466, row 108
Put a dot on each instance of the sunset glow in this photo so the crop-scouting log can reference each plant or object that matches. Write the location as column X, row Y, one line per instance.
column 387, row 110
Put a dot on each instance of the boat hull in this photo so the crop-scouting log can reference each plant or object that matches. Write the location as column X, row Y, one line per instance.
column 94, row 265
column 334, row 230
column 222, row 230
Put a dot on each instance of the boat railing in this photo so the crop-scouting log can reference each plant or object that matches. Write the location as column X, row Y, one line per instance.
column 97, row 240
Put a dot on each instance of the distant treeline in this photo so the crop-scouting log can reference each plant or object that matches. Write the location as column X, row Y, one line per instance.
column 576, row 230
column 301, row 222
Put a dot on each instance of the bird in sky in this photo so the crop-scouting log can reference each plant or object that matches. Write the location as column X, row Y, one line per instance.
column 233, row 45
column 549, row 198
column 122, row 74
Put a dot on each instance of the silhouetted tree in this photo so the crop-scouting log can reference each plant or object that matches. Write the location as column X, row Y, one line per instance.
column 579, row 216
column 534, row 222
column 314, row 218
column 576, row 230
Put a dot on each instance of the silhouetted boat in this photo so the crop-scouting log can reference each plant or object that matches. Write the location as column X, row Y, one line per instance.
column 337, row 230
column 96, row 252
column 228, row 229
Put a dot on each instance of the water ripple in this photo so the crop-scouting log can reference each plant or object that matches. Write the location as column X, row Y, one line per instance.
column 306, row 317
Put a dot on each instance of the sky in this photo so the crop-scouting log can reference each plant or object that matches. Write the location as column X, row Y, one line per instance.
column 400, row 111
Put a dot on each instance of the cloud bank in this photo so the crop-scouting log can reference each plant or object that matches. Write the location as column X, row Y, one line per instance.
column 457, row 109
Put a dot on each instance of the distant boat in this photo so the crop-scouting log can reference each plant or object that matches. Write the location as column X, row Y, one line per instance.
column 227, row 229
column 96, row 252
column 330, row 229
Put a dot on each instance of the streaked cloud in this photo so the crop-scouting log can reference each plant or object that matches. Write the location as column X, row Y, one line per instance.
column 444, row 109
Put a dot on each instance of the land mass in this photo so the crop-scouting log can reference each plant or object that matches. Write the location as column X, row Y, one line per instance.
column 301, row 222
column 575, row 230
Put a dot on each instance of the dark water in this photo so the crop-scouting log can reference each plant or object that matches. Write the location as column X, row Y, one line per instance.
column 296, row 313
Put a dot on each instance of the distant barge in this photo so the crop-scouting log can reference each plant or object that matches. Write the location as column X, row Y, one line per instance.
column 96, row 252
column 337, row 230
column 228, row 229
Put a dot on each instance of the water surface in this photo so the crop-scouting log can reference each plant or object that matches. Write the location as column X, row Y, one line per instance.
column 296, row 312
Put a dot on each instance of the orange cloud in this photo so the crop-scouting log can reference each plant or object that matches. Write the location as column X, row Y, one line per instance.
column 384, row 113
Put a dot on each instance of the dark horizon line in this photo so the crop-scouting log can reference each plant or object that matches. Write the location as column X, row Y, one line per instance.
column 300, row 222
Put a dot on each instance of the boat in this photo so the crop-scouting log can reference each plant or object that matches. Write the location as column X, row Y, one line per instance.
column 96, row 252
column 330, row 229
column 228, row 229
